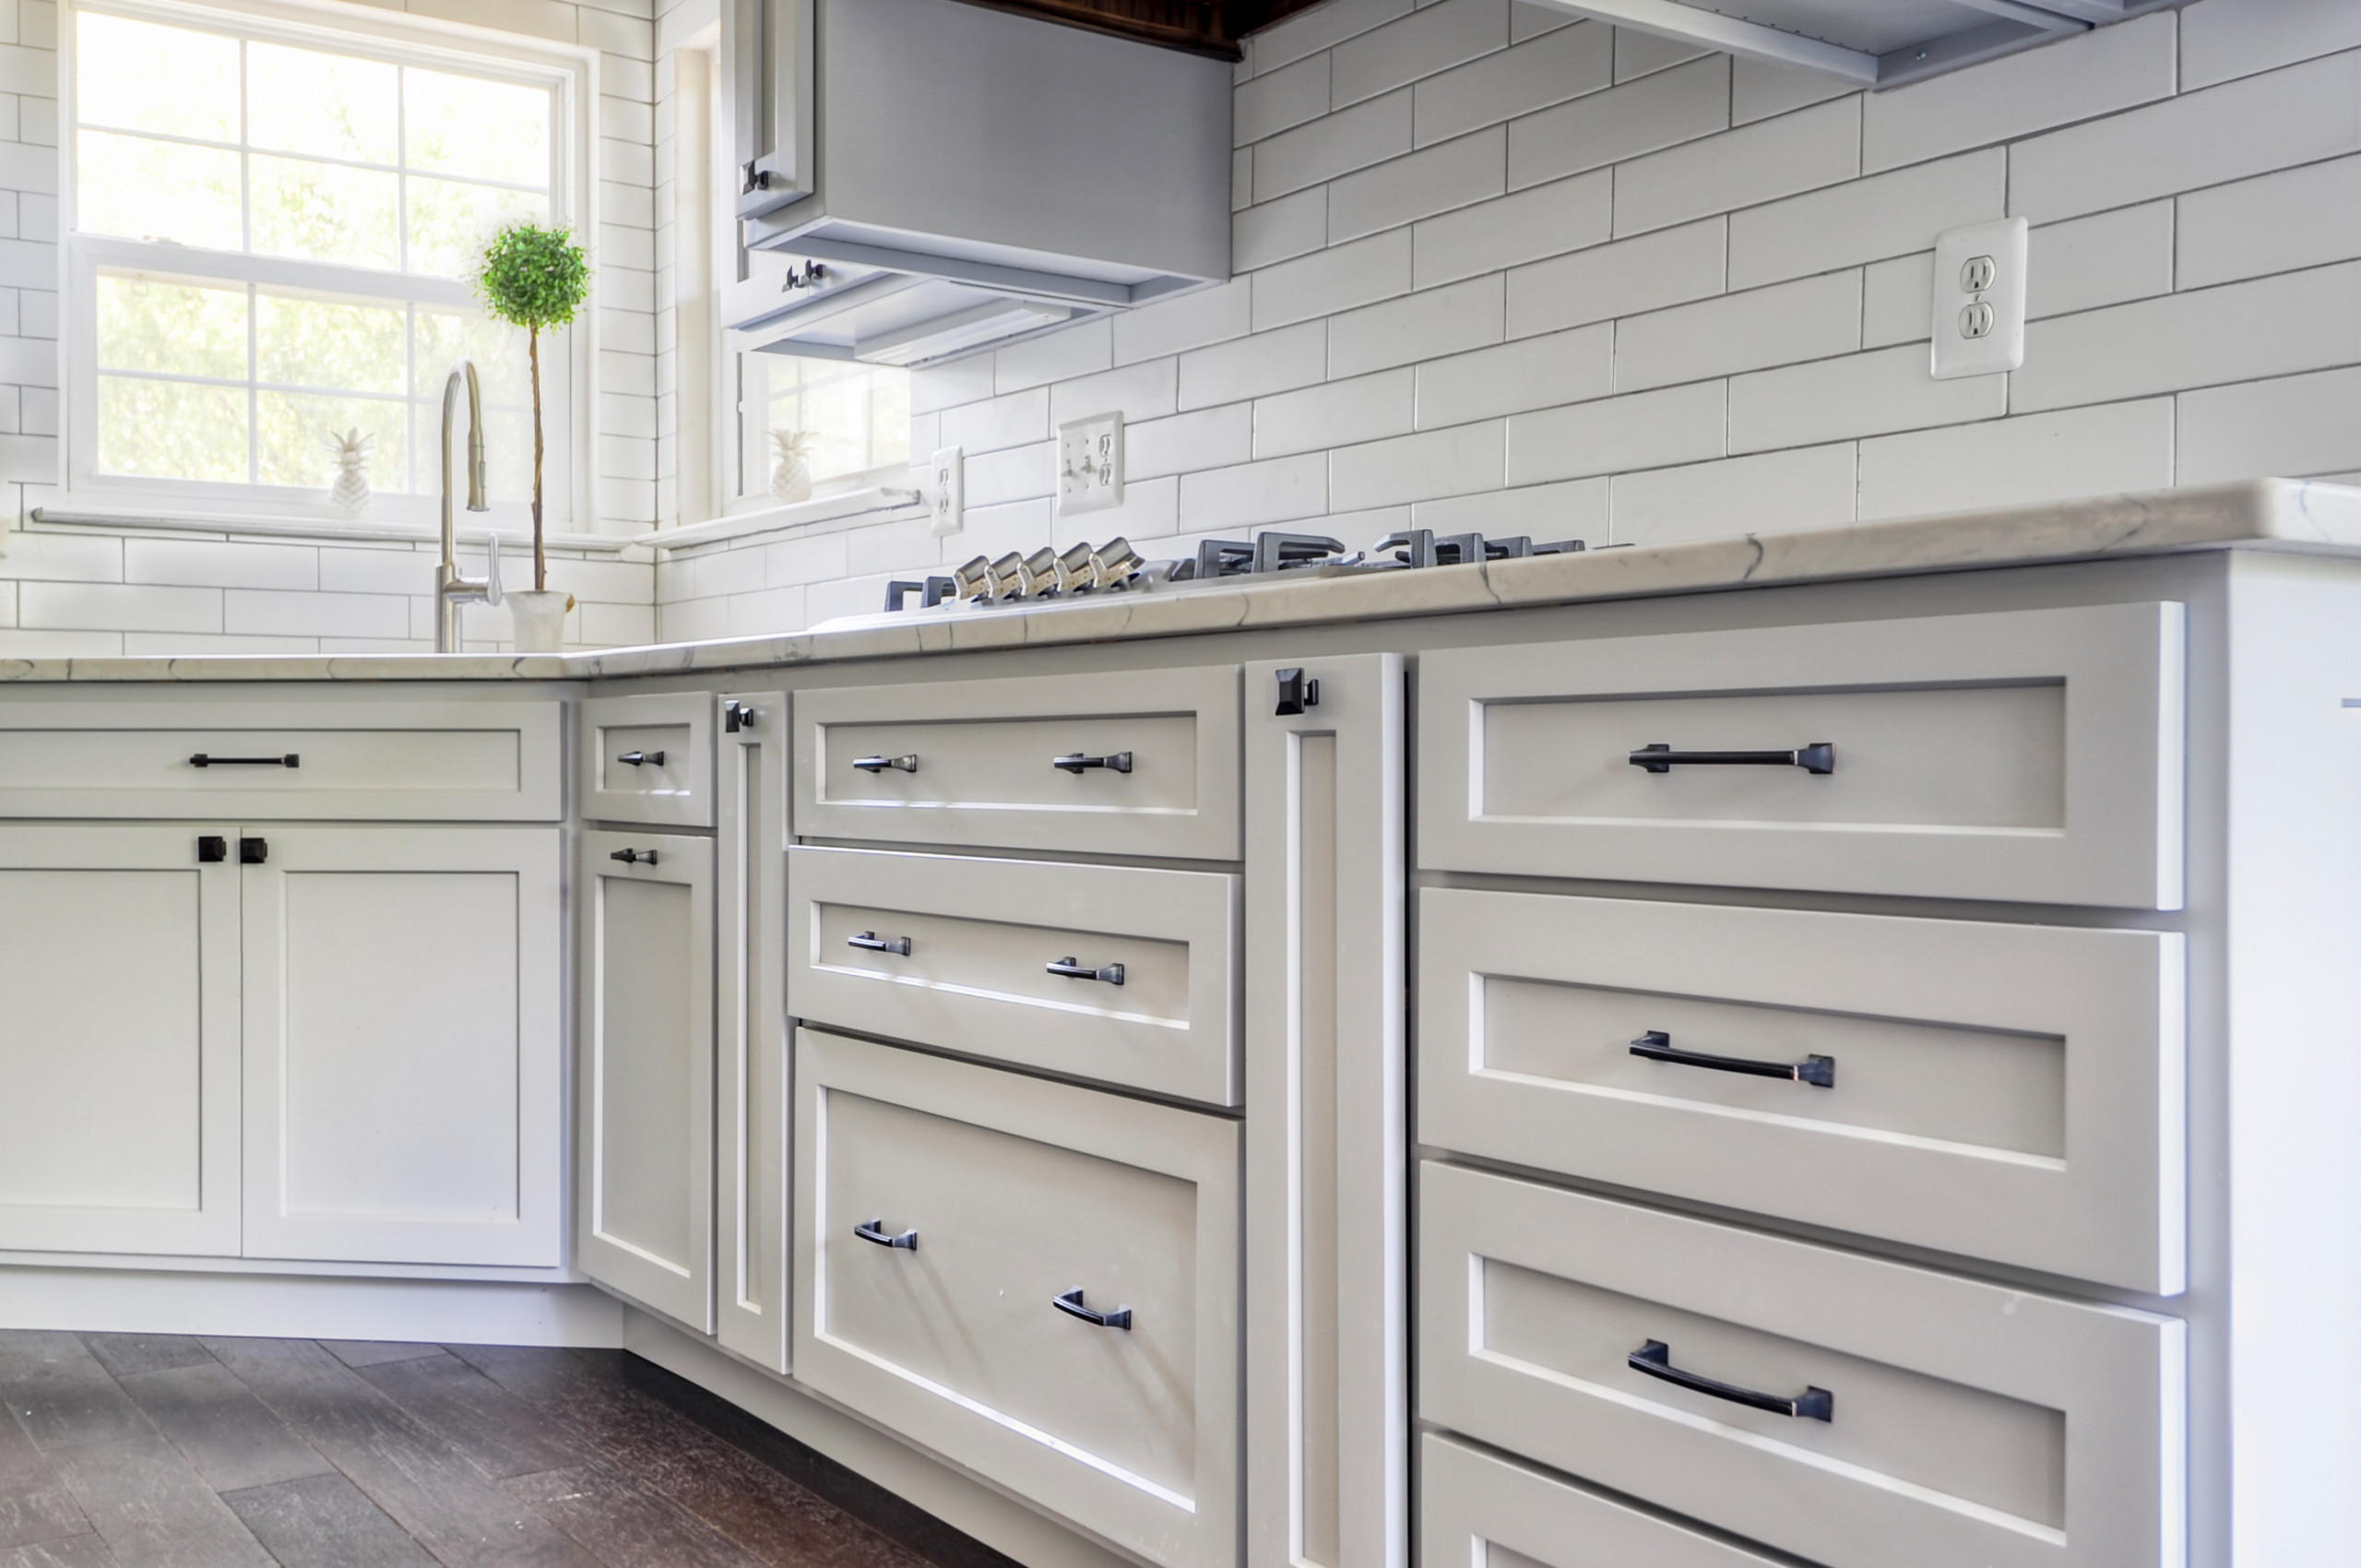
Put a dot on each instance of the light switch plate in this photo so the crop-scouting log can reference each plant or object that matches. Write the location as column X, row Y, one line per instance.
column 1090, row 464
column 1979, row 300
column 947, row 488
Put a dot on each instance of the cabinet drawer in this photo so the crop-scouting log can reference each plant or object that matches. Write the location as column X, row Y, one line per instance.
column 1967, row 1425
column 2002, row 1091
column 282, row 761
column 1477, row 1508
column 966, row 955
column 1013, row 1194
column 2031, row 756
column 648, row 759
column 976, row 762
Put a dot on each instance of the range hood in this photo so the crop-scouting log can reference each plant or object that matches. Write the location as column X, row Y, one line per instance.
column 924, row 178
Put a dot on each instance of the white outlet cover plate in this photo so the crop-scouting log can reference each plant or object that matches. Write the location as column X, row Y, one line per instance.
column 947, row 490
column 1090, row 464
column 1993, row 254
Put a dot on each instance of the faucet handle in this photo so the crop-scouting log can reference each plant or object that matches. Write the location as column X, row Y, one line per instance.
column 491, row 567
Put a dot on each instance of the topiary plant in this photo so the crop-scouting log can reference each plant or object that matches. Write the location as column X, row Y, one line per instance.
column 534, row 278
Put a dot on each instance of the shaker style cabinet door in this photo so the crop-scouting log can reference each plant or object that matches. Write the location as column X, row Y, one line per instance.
column 119, row 1039
column 648, row 759
column 1327, row 1357
column 643, row 1152
column 403, row 1056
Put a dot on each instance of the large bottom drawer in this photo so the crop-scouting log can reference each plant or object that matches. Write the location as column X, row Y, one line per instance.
column 1479, row 1509
column 1038, row 1281
column 1852, row 1411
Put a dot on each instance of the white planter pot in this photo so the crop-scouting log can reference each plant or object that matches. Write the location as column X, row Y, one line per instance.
column 540, row 618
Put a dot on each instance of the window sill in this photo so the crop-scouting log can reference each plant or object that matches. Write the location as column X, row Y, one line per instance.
column 223, row 524
column 810, row 517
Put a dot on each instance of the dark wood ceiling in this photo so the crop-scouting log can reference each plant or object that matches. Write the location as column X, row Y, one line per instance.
column 1202, row 27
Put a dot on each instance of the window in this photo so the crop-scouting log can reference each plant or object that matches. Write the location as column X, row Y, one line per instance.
column 274, row 232
column 857, row 416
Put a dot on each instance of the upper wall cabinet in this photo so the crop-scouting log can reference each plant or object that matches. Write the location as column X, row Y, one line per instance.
column 961, row 175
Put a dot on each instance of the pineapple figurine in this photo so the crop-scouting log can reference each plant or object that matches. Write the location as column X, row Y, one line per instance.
column 792, row 478
column 349, row 494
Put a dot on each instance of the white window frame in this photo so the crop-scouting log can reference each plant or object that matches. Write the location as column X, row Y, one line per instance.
column 571, row 72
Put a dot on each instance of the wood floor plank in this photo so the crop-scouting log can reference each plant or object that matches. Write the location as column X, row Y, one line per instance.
column 500, row 1434
column 153, row 1510
column 624, row 1524
column 35, row 1503
column 324, row 1522
column 408, row 1471
column 123, row 1354
column 60, row 1393
column 358, row 1353
column 72, row 1551
column 231, row 1437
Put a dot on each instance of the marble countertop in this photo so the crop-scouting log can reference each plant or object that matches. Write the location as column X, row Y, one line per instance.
column 2284, row 515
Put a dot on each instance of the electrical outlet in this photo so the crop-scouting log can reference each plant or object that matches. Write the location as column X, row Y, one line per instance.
column 947, row 486
column 1090, row 464
column 1979, row 300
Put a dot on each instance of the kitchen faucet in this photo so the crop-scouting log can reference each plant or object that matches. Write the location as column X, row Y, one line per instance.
column 451, row 590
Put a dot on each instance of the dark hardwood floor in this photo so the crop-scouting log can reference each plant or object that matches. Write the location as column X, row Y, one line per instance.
column 147, row 1450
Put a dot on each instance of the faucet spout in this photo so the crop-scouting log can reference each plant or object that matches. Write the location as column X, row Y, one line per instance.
column 451, row 590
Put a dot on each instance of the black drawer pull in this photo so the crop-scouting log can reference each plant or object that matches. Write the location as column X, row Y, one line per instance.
column 205, row 759
column 736, row 716
column 1818, row 1071
column 874, row 1230
column 876, row 943
column 1071, row 1304
column 642, row 759
column 1654, row 1358
column 1112, row 974
column 634, row 857
column 254, row 851
column 1818, row 757
column 880, row 763
column 1075, row 762
column 212, row 850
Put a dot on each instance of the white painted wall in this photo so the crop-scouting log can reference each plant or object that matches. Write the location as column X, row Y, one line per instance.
column 1501, row 270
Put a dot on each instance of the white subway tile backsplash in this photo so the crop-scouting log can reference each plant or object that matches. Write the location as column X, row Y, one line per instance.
column 1869, row 220
column 2048, row 457
column 1277, row 230
column 1422, row 327
column 1336, row 278
column 1334, row 414
column 1435, row 38
column 1150, row 506
column 1274, row 491
column 1054, row 356
column 1623, row 279
column 1810, row 319
column 2101, row 71
column 1321, row 27
column 1528, row 19
column 1543, row 513
column 1011, row 421
column 1187, row 321
column 2222, row 39
column 1550, row 68
column 1772, row 492
column 1459, row 461
column 1267, row 104
column 116, row 607
column 938, row 386
column 271, row 613
column 2273, row 223
column 1529, row 373
column 2295, row 425
column 1336, row 144
column 1898, row 301
column 2277, row 326
column 791, row 563
column 1206, row 438
column 1528, row 225
column 64, row 557
column 1143, row 391
column 1601, row 128
column 1760, row 89
column 1801, row 151
column 1449, row 174
column 1253, row 367
column 1638, row 53
column 2101, row 260
column 1868, row 393
column 1018, row 473
column 190, row 562
column 1641, row 430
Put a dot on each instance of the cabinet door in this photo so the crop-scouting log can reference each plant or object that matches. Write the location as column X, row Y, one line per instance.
column 645, row 1145
column 403, row 1084
column 751, row 1085
column 118, row 1040
column 1327, row 1360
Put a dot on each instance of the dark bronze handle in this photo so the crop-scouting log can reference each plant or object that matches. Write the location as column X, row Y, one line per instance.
column 1296, row 694
column 1818, row 1071
column 212, row 850
column 736, row 716
column 634, row 857
column 874, row 1230
column 880, row 763
column 1112, row 974
column 1654, row 1358
column 876, row 943
column 1818, row 757
column 1075, row 762
column 639, row 758
column 254, row 851
column 205, row 759
column 1071, row 1304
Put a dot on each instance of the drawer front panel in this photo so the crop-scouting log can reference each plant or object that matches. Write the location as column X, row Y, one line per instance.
column 2032, row 755
column 1988, row 1427
column 957, row 952
column 1999, row 1091
column 285, row 760
column 1476, row 1508
column 1005, row 1195
column 1151, row 763
column 648, row 759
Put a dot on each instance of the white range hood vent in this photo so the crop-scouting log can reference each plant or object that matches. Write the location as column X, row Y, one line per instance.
column 1876, row 43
